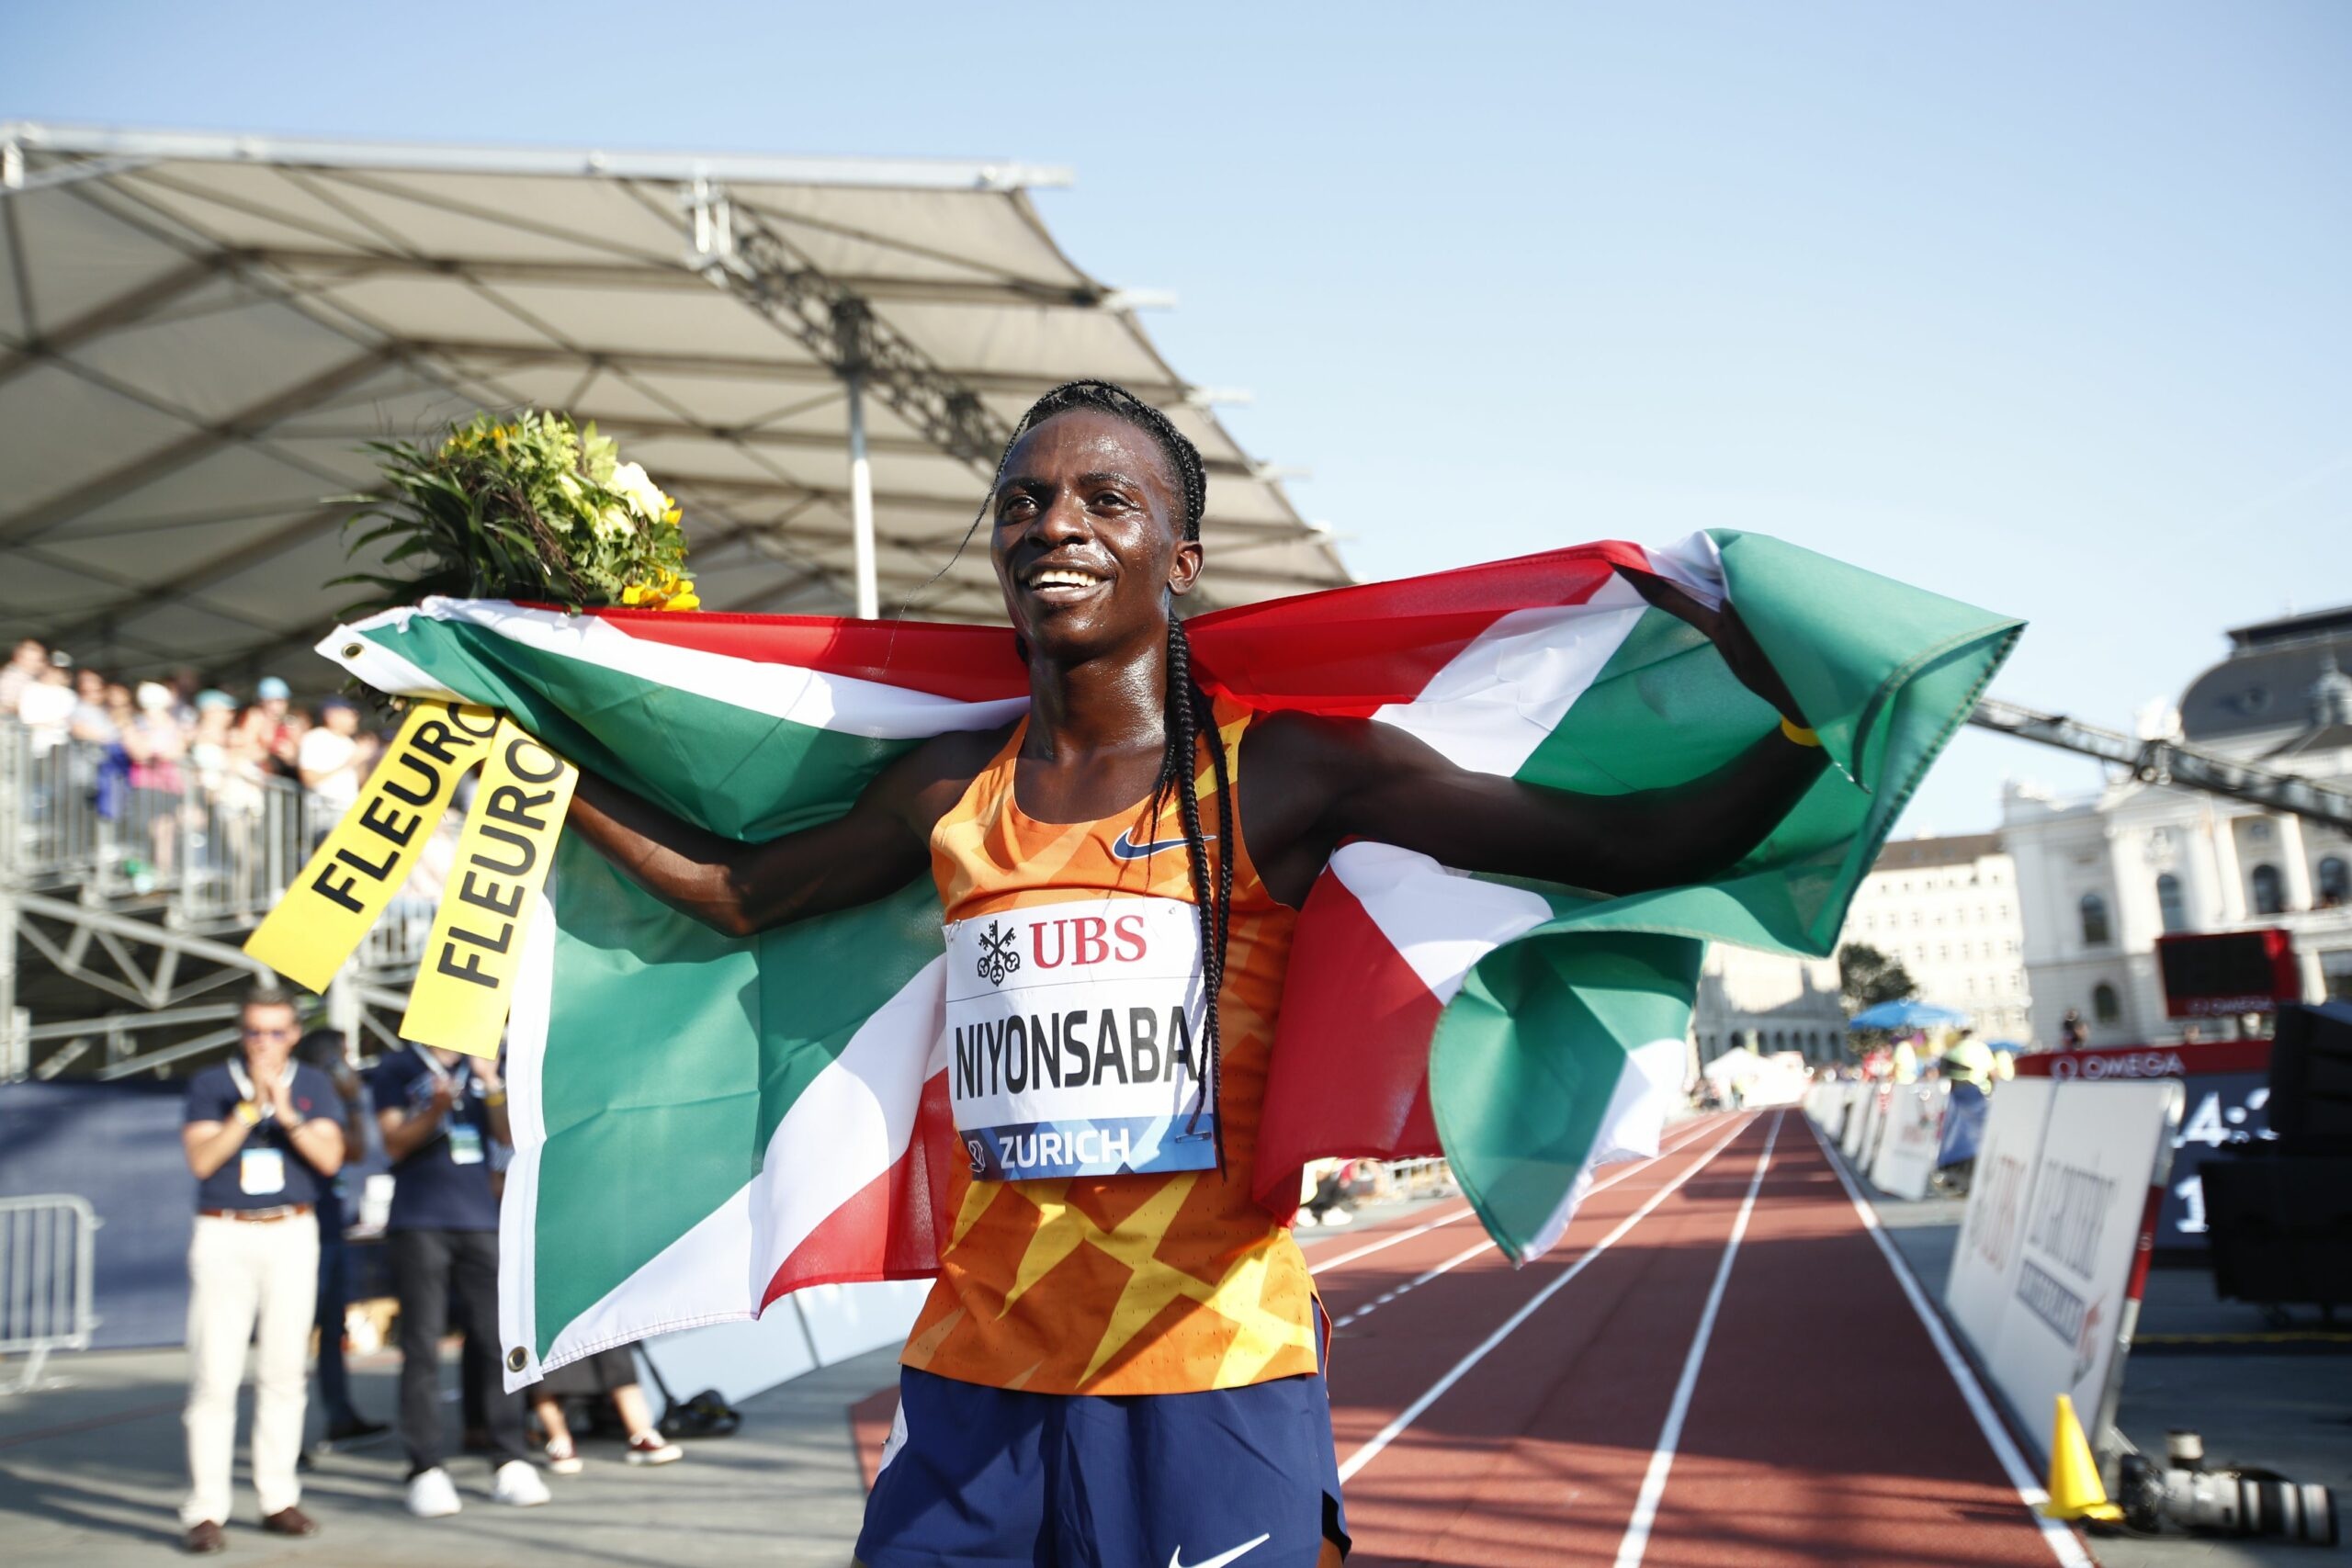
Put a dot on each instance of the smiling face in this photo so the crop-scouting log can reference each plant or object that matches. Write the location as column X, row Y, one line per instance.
column 1087, row 536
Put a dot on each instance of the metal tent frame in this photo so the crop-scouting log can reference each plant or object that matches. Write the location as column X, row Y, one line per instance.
column 821, row 357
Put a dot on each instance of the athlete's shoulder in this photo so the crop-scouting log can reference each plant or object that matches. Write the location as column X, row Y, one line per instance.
column 924, row 784
column 1293, row 743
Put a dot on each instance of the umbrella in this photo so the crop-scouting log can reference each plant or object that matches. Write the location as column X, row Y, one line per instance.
column 1907, row 1015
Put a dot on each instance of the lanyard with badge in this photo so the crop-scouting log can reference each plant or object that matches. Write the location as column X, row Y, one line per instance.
column 260, row 1172
column 465, row 1138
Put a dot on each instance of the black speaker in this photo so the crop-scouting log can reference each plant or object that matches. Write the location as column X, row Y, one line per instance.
column 2280, row 1229
column 2310, row 1079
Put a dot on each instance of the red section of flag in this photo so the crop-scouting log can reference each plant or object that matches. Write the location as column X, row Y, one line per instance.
column 888, row 1230
column 1351, row 650
column 1341, row 651
column 1350, row 1068
column 970, row 664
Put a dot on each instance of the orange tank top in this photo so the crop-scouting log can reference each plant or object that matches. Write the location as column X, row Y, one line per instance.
column 1168, row 1283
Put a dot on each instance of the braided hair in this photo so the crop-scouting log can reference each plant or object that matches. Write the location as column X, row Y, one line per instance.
column 1189, row 712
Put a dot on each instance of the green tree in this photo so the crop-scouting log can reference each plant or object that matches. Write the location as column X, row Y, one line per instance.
column 1867, row 976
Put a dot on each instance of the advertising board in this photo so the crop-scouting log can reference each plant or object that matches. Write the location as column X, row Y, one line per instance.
column 2228, row 1086
column 1909, row 1133
column 2042, row 1282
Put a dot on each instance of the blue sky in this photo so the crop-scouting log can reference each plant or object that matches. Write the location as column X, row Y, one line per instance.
column 2045, row 307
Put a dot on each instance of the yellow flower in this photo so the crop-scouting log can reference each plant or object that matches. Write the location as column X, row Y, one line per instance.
column 685, row 600
column 632, row 595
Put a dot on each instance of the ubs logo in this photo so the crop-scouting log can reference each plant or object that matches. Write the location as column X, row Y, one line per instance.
column 997, row 957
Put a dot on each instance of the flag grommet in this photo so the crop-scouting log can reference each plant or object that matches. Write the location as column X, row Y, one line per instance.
column 516, row 1360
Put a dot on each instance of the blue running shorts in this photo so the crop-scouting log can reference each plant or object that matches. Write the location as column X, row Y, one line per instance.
column 979, row 1477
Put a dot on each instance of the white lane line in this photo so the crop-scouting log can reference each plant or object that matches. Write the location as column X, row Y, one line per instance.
column 1322, row 1267
column 2063, row 1542
column 1628, row 1168
column 1669, row 1437
column 1411, row 1413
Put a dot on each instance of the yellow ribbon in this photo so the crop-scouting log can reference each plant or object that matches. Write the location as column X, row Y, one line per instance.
column 350, row 881
column 465, row 983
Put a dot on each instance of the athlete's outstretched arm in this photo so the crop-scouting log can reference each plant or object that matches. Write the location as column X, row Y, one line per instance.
column 1337, row 779
column 879, row 845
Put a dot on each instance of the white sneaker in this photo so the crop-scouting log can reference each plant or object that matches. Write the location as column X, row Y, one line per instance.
column 651, row 1448
column 1338, row 1217
column 432, row 1496
column 518, row 1484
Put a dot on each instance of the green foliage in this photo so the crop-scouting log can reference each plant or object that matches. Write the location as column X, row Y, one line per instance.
column 1867, row 976
column 531, row 507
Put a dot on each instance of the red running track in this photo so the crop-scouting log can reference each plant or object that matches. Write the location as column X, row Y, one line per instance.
column 1496, row 1417
column 1818, row 1423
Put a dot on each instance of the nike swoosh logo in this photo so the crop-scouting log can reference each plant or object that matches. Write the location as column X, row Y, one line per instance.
column 1176, row 1558
column 1125, row 848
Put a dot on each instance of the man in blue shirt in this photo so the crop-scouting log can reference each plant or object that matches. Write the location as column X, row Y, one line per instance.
column 441, row 1114
column 328, row 1051
column 263, row 1135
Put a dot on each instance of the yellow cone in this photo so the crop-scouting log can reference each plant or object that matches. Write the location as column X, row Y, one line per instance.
column 2075, row 1491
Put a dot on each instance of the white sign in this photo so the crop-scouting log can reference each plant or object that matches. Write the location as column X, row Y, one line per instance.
column 1913, row 1128
column 1074, row 1042
column 2052, row 1227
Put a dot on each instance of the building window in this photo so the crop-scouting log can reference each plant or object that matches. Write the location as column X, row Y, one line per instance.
column 2335, row 888
column 2104, row 1006
column 2169, row 905
column 2094, row 929
column 2270, row 891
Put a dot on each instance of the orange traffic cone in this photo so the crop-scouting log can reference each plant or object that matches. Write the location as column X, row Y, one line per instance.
column 2075, row 1491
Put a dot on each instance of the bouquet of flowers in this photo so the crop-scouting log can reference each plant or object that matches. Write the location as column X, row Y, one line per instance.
column 532, row 507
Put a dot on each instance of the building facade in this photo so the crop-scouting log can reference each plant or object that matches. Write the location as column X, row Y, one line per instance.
column 1949, row 907
column 2100, row 879
column 1767, row 1000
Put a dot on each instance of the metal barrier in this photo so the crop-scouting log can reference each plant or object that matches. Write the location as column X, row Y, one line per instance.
column 217, row 848
column 47, row 1245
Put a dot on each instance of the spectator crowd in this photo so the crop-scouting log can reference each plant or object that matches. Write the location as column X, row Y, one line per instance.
column 182, row 766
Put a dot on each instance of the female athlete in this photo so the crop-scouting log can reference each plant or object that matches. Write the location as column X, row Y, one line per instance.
column 1123, row 1367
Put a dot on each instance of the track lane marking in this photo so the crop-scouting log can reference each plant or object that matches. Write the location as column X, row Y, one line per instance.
column 1626, row 1169
column 1396, row 1429
column 1319, row 1270
column 2063, row 1542
column 1637, row 1538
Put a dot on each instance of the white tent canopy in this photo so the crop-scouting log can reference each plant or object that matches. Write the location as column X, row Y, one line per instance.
column 198, row 333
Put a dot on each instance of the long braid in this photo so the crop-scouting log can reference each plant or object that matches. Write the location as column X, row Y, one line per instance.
column 1189, row 711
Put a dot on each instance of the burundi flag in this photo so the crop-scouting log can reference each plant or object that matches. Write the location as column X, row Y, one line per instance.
column 704, row 1124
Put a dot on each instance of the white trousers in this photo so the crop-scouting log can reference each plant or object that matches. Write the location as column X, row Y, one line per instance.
column 243, row 1276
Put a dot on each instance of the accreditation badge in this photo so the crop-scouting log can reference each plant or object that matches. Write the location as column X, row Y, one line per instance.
column 261, row 1172
column 465, row 1144
column 1074, row 1039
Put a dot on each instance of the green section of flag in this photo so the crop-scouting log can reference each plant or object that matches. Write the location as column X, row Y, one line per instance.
column 1528, row 1055
column 1524, row 1055
column 672, row 1053
column 746, row 774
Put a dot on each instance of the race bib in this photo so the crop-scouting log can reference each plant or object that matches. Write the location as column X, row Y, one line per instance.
column 261, row 1172
column 465, row 1144
column 1074, row 1039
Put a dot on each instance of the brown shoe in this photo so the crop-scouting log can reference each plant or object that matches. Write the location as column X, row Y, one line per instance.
column 290, row 1521
column 203, row 1538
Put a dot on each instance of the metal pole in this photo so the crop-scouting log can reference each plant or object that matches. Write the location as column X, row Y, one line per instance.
column 861, row 501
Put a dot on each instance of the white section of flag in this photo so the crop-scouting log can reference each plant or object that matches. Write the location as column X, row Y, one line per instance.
column 860, row 1110
column 1441, row 922
column 842, row 704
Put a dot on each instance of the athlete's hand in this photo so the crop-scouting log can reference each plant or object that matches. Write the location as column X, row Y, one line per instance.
column 1722, row 627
